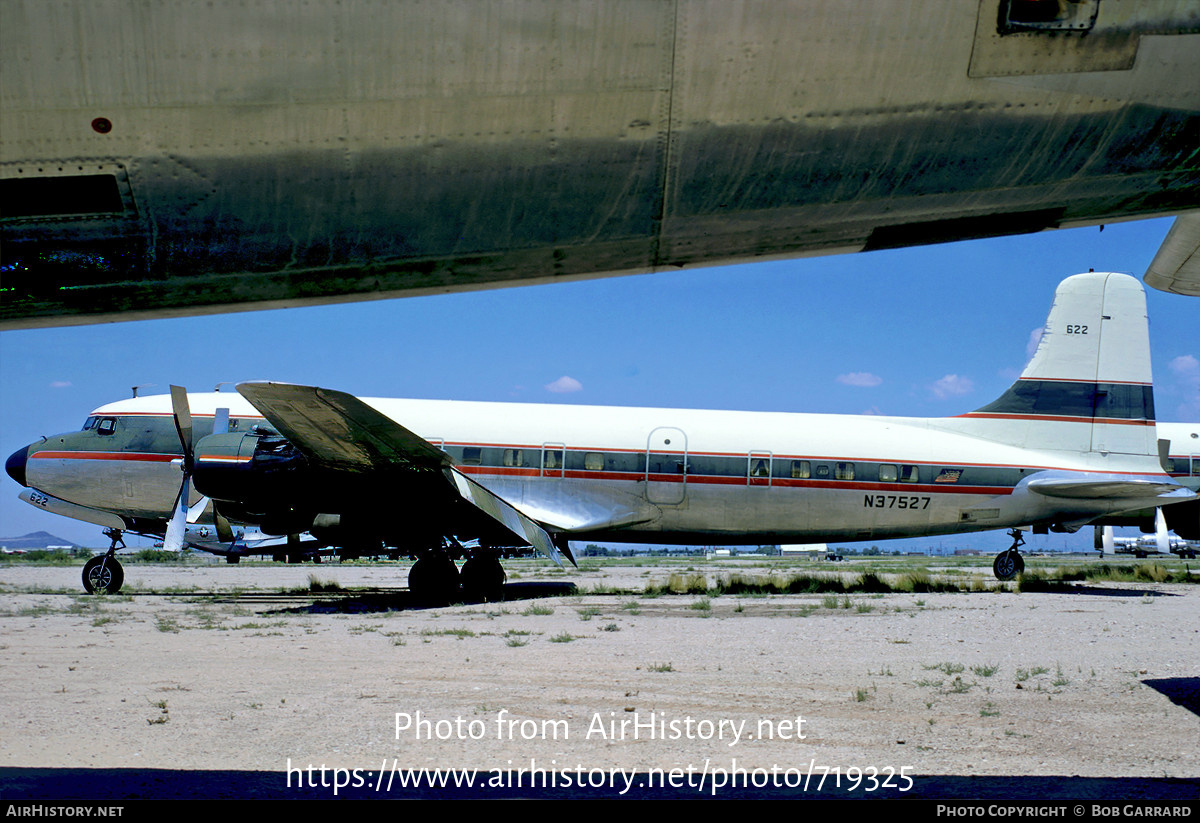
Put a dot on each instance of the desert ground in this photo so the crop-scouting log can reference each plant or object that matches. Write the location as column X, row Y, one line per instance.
column 252, row 668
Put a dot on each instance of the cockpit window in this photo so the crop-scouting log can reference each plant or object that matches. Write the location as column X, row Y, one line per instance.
column 90, row 423
column 107, row 425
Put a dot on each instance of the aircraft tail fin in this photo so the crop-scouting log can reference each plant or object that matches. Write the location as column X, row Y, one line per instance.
column 1088, row 387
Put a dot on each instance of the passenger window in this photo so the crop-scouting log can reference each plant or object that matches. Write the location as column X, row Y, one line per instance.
column 845, row 471
column 108, row 425
column 512, row 457
column 823, row 472
column 909, row 474
column 801, row 469
column 553, row 459
column 593, row 462
column 472, row 456
column 887, row 473
column 760, row 469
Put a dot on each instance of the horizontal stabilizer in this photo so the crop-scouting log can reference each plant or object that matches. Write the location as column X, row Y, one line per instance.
column 1176, row 266
column 1115, row 489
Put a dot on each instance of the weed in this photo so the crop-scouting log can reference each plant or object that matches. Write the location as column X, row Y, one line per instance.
column 538, row 609
column 562, row 638
column 588, row 613
column 986, row 670
column 166, row 624
column 861, row 695
column 989, row 710
column 610, row 627
column 660, row 667
column 701, row 605
column 516, row 642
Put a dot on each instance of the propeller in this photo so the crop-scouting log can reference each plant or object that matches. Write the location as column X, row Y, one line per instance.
column 174, row 540
column 1104, row 540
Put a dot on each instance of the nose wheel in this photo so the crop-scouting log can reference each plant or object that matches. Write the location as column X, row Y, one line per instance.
column 1008, row 564
column 103, row 574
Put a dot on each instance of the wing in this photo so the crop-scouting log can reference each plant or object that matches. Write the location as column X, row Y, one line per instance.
column 1176, row 266
column 338, row 431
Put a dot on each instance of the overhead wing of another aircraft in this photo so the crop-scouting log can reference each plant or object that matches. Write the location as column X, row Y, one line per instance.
column 181, row 158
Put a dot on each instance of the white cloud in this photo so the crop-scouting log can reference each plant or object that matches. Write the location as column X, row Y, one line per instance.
column 952, row 385
column 60, row 384
column 859, row 378
column 563, row 385
column 1035, row 337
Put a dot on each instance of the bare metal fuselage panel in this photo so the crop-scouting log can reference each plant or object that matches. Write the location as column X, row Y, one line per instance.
column 182, row 158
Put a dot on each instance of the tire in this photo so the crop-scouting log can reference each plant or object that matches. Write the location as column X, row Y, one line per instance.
column 483, row 579
column 1007, row 565
column 101, row 577
column 434, row 579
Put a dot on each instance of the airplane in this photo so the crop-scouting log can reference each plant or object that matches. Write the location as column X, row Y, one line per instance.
column 1161, row 542
column 172, row 158
column 1071, row 443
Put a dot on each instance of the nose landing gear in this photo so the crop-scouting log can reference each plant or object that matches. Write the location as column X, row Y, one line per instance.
column 103, row 573
column 1008, row 564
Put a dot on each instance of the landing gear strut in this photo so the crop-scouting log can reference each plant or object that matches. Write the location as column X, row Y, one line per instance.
column 1008, row 564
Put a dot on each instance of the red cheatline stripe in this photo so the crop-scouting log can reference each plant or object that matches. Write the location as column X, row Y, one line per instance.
column 146, row 457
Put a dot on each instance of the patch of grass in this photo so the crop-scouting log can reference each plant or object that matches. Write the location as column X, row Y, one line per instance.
column 516, row 642
column 166, row 624
column 610, row 627
column 588, row 612
column 702, row 605
column 989, row 710
column 862, row 695
column 945, row 668
column 539, row 610
column 563, row 638
column 660, row 667
column 985, row 670
column 459, row 633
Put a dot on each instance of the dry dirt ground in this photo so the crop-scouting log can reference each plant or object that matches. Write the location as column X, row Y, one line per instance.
column 214, row 667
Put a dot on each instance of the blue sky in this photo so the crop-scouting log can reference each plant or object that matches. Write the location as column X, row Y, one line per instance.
column 930, row 331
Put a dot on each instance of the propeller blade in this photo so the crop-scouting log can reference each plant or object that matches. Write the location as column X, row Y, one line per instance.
column 224, row 529
column 1162, row 541
column 221, row 421
column 173, row 540
column 197, row 509
column 1107, row 540
column 183, row 423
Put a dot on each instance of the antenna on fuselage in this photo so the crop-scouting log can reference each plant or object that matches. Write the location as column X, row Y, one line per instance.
column 142, row 386
column 217, row 387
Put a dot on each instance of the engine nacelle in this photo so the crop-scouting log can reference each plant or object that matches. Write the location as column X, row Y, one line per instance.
column 258, row 472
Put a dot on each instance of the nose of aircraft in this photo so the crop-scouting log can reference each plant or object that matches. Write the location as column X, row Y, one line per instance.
column 15, row 465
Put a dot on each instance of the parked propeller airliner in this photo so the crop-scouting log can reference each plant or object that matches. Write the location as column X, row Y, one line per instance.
column 1071, row 443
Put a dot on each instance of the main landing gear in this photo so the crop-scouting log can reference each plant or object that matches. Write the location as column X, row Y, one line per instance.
column 435, row 579
column 1008, row 564
column 103, row 573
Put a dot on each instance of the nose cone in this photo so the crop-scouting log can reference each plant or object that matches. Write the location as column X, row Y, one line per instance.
column 15, row 465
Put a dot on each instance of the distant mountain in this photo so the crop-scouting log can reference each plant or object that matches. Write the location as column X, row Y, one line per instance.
column 35, row 540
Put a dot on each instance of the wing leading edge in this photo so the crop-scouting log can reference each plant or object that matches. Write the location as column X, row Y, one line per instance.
column 342, row 433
